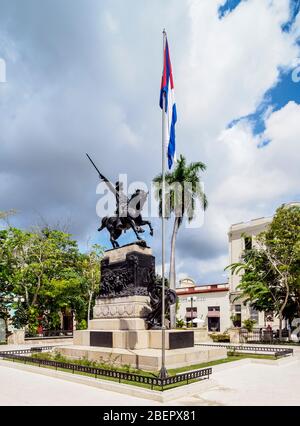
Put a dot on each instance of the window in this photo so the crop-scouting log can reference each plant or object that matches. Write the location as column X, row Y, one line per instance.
column 213, row 324
column 191, row 309
column 214, row 309
column 248, row 243
column 190, row 315
column 253, row 314
column 238, row 308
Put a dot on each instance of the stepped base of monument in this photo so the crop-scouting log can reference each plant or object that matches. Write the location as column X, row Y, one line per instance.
column 144, row 359
column 133, row 339
column 118, row 324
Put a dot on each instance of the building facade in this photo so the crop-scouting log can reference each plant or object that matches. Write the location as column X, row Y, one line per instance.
column 220, row 306
column 242, row 236
column 205, row 305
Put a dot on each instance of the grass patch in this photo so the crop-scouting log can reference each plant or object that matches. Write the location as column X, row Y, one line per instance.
column 230, row 358
column 105, row 365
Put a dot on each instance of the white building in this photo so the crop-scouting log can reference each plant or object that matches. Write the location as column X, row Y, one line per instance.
column 242, row 237
column 206, row 305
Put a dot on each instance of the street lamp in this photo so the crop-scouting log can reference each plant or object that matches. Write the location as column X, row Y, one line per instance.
column 192, row 299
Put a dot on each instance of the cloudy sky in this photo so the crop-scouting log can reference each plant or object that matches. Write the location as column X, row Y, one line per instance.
column 84, row 76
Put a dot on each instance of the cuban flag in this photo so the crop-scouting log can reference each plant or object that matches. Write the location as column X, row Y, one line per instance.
column 168, row 105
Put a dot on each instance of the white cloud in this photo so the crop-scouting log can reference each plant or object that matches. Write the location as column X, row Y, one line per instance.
column 233, row 61
column 224, row 74
column 73, row 90
column 262, row 174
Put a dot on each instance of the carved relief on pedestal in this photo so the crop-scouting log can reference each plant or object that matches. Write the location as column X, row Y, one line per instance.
column 129, row 307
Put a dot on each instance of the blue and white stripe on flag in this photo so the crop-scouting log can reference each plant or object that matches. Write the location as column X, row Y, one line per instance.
column 167, row 99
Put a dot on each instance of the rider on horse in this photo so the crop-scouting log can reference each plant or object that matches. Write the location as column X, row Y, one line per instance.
column 128, row 211
column 121, row 203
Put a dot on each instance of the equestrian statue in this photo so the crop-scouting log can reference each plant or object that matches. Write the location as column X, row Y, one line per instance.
column 127, row 214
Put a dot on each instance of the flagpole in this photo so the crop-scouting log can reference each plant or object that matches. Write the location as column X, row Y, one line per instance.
column 163, row 372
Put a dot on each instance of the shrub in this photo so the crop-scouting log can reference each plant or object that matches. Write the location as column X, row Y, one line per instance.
column 82, row 325
column 235, row 320
column 180, row 323
column 222, row 337
column 249, row 324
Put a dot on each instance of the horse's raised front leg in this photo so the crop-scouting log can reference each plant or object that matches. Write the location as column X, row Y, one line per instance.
column 132, row 224
column 147, row 222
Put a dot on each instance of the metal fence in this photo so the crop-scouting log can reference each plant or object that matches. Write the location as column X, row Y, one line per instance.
column 187, row 377
column 262, row 336
column 49, row 333
column 277, row 352
column 27, row 351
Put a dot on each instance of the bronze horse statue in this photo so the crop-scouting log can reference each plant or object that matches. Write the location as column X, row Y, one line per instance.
column 128, row 212
column 116, row 225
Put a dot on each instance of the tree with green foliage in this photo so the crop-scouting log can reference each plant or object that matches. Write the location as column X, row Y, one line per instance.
column 91, row 272
column 45, row 267
column 183, row 188
column 271, row 269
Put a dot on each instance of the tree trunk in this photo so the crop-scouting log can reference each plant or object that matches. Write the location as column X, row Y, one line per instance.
column 89, row 308
column 172, row 274
column 6, row 327
column 283, row 306
column 280, row 326
column 35, row 296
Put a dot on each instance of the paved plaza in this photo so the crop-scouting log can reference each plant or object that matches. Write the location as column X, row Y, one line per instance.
column 253, row 384
column 245, row 384
column 26, row 388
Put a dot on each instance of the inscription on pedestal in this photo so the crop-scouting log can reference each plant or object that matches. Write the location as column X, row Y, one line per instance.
column 101, row 338
column 179, row 340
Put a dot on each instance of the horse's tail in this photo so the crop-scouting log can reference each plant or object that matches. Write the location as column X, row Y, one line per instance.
column 103, row 223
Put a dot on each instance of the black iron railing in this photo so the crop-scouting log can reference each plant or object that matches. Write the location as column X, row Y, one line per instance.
column 27, row 351
column 262, row 336
column 119, row 376
column 277, row 352
column 49, row 333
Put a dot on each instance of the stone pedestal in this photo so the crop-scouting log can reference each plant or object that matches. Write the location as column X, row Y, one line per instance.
column 16, row 338
column 144, row 359
column 126, row 271
column 119, row 330
column 120, row 313
column 134, row 339
column 201, row 335
column 234, row 335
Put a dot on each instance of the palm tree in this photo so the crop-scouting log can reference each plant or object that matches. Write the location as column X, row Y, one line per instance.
column 183, row 187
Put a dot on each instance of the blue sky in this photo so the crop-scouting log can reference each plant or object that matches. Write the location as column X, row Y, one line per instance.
column 285, row 89
column 275, row 98
column 84, row 76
